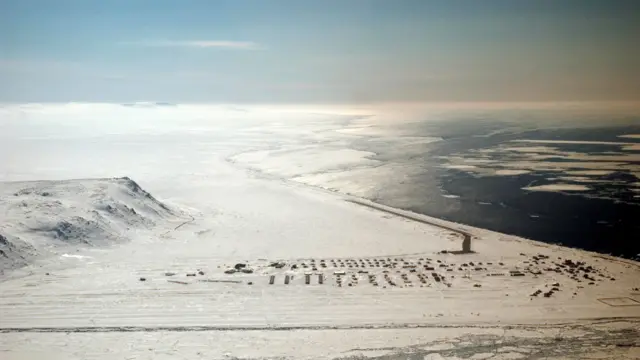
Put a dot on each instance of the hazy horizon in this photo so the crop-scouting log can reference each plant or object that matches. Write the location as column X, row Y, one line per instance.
column 329, row 52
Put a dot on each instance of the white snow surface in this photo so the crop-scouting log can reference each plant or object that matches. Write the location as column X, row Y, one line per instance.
column 45, row 218
column 120, row 286
column 301, row 161
column 557, row 187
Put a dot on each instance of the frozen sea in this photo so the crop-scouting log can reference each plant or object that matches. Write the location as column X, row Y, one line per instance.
column 559, row 173
column 111, row 270
column 579, row 189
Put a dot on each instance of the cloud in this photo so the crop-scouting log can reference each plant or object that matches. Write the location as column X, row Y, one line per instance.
column 219, row 44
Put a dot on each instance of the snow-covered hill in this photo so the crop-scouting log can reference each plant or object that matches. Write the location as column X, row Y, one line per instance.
column 41, row 217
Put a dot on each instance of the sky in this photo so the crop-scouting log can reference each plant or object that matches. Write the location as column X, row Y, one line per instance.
column 329, row 51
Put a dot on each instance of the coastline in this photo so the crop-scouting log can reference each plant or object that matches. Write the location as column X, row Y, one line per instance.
column 252, row 212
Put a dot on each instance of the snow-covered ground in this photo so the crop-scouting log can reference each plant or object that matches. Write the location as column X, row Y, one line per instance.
column 379, row 283
column 57, row 218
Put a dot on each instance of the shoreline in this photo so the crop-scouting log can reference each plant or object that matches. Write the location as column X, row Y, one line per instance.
column 326, row 227
column 463, row 229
